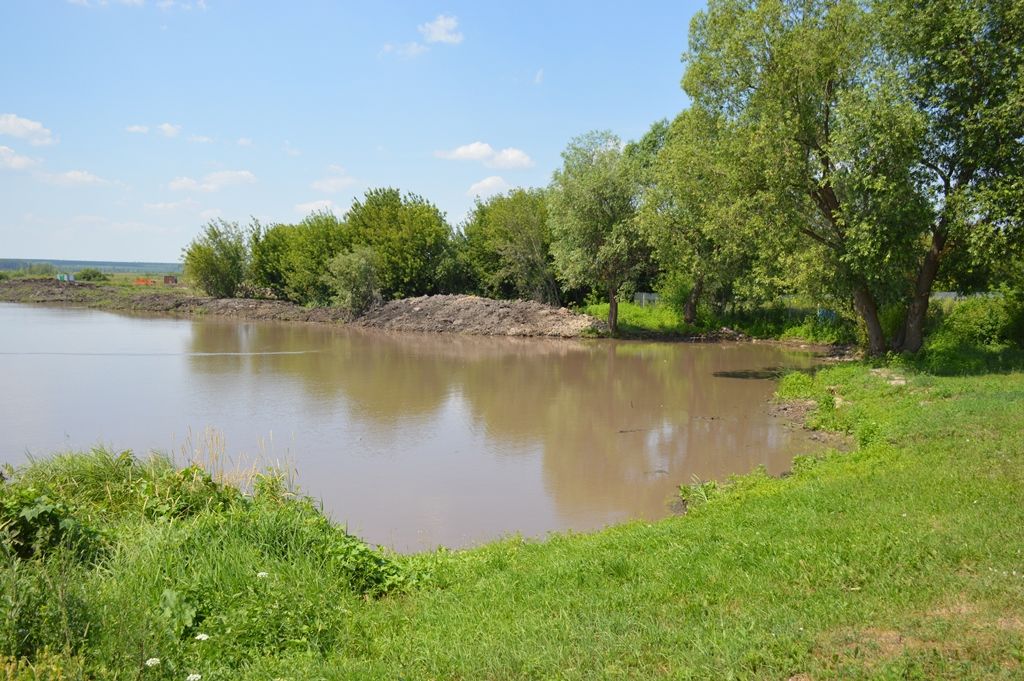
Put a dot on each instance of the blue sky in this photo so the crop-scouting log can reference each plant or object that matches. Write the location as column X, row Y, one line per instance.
column 126, row 124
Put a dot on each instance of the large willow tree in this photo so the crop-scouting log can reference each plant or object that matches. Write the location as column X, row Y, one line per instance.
column 890, row 132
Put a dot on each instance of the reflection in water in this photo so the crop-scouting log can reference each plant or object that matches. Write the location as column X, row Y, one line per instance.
column 416, row 440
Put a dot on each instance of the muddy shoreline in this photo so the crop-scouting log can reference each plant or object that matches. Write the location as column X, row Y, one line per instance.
column 462, row 314
column 459, row 314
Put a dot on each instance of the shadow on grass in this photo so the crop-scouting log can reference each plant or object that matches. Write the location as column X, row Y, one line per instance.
column 968, row 360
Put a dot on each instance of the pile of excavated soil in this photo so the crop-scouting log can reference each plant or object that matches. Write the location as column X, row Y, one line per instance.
column 479, row 316
column 436, row 314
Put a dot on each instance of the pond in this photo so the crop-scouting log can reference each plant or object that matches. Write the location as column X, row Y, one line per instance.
column 412, row 441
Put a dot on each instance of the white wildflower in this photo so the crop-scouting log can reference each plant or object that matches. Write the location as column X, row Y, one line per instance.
column 202, row 637
column 153, row 662
column 194, row 677
column 262, row 575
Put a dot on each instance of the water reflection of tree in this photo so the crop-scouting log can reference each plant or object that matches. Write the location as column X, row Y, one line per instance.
column 620, row 425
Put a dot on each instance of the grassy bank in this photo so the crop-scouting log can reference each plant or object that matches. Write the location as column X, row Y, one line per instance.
column 902, row 559
column 660, row 320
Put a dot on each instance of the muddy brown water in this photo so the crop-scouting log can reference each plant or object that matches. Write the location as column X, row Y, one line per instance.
column 411, row 440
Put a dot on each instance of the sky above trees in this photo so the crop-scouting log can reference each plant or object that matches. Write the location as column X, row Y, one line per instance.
column 126, row 125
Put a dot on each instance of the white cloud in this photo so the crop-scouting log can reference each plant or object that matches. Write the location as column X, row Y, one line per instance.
column 509, row 157
column 487, row 186
column 12, row 161
column 168, row 129
column 407, row 50
column 290, row 150
column 244, row 142
column 168, row 206
column 23, row 128
column 474, row 151
column 73, row 178
column 200, row 139
column 443, row 29
column 335, row 182
column 314, row 206
column 213, row 182
column 539, row 77
column 138, row 129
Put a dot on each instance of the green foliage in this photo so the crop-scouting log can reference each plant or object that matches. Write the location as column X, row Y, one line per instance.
column 311, row 245
column 853, row 118
column 352, row 276
column 592, row 205
column 635, row 320
column 216, row 260
column 44, row 607
column 508, row 245
column 975, row 335
column 32, row 525
column 270, row 249
column 188, row 557
column 408, row 235
column 91, row 274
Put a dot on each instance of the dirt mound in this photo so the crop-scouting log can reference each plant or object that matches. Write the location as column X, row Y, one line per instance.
column 479, row 316
column 436, row 314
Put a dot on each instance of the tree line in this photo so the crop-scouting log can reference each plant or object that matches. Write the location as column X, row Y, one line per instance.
column 860, row 153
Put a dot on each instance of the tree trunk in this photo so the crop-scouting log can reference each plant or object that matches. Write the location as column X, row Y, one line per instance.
column 613, row 310
column 690, row 309
column 866, row 307
column 911, row 336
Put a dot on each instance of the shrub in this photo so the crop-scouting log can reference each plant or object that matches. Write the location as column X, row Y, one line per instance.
column 33, row 524
column 353, row 279
column 975, row 334
column 311, row 245
column 216, row 260
column 268, row 267
column 91, row 274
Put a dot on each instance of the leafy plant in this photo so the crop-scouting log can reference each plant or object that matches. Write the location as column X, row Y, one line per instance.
column 91, row 274
column 352, row 276
column 217, row 259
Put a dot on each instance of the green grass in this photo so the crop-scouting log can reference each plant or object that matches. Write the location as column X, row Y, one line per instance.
column 635, row 320
column 771, row 323
column 901, row 559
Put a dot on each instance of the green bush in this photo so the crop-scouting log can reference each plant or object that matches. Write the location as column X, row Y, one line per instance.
column 269, row 251
column 311, row 245
column 33, row 524
column 91, row 274
column 974, row 335
column 353, row 279
column 216, row 260
column 818, row 328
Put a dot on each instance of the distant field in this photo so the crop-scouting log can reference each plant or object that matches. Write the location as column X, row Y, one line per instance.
column 102, row 265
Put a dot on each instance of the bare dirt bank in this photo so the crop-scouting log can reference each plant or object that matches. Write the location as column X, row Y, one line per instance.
column 480, row 316
column 434, row 314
